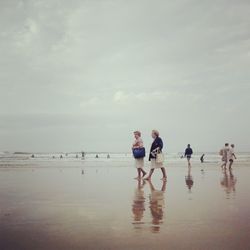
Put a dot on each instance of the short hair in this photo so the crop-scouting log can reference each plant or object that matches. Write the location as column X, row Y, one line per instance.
column 156, row 132
column 226, row 144
column 232, row 145
column 137, row 133
column 188, row 145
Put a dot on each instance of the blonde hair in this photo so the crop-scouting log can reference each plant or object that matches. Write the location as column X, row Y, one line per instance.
column 137, row 133
column 156, row 132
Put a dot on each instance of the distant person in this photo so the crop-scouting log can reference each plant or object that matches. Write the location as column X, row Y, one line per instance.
column 188, row 154
column 224, row 155
column 61, row 156
column 139, row 161
column 231, row 156
column 156, row 148
column 108, row 156
column 32, row 156
column 76, row 155
column 96, row 156
column 202, row 158
column 83, row 155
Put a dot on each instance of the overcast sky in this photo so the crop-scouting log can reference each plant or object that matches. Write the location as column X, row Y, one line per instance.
column 83, row 75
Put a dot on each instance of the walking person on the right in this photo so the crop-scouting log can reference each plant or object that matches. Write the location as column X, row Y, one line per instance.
column 156, row 148
column 231, row 156
column 188, row 154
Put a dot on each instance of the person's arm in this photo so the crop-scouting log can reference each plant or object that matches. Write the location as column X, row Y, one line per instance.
column 234, row 156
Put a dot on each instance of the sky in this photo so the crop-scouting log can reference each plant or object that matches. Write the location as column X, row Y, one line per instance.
column 83, row 75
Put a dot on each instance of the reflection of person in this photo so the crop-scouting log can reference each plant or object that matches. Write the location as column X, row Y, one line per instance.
column 224, row 155
column 228, row 181
column 189, row 179
column 156, row 146
column 231, row 156
column 157, row 206
column 139, row 162
column 138, row 206
column 188, row 154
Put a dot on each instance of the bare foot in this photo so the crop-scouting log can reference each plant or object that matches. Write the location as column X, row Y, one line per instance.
column 137, row 178
column 164, row 179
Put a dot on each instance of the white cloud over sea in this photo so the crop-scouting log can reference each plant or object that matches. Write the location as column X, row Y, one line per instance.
column 84, row 74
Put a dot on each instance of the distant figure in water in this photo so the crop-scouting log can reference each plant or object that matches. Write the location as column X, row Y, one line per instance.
column 202, row 158
column 83, row 155
column 76, row 155
column 188, row 154
column 32, row 156
column 108, row 156
column 96, row 156
column 61, row 156
column 189, row 179
column 53, row 157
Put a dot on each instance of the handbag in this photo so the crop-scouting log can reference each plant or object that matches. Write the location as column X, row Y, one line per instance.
column 139, row 153
column 159, row 157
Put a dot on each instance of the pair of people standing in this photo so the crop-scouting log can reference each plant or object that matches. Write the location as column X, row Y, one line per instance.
column 228, row 155
column 155, row 150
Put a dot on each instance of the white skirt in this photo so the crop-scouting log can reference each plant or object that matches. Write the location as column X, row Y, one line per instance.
column 154, row 164
column 139, row 163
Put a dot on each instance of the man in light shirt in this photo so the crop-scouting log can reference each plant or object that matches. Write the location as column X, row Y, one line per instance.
column 231, row 156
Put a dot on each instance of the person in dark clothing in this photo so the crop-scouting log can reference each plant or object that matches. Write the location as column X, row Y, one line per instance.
column 188, row 154
column 156, row 148
column 202, row 158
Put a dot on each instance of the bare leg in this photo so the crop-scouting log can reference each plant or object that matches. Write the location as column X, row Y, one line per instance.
column 231, row 164
column 150, row 174
column 143, row 172
column 139, row 174
column 164, row 174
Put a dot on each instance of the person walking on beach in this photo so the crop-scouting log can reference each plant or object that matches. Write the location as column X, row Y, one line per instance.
column 231, row 156
column 139, row 162
column 188, row 154
column 155, row 151
column 224, row 153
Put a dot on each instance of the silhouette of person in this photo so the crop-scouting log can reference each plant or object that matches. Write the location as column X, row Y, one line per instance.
column 202, row 158
column 138, row 206
column 156, row 201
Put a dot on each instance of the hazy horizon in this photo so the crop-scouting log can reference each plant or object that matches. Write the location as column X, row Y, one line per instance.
column 79, row 75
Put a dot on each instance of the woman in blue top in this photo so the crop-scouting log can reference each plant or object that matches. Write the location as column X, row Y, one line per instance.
column 156, row 147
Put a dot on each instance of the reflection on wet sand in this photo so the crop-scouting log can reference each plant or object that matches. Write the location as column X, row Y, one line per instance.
column 157, row 206
column 228, row 181
column 138, row 207
column 189, row 179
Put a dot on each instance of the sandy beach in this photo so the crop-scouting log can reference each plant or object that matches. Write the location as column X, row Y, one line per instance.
column 105, row 208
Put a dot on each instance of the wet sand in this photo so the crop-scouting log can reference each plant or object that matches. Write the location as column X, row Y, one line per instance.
column 105, row 208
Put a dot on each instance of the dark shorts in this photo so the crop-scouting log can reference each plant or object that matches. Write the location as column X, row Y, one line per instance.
column 188, row 157
column 231, row 160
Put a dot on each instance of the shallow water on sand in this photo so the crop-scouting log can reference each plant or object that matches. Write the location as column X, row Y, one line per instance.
column 105, row 208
